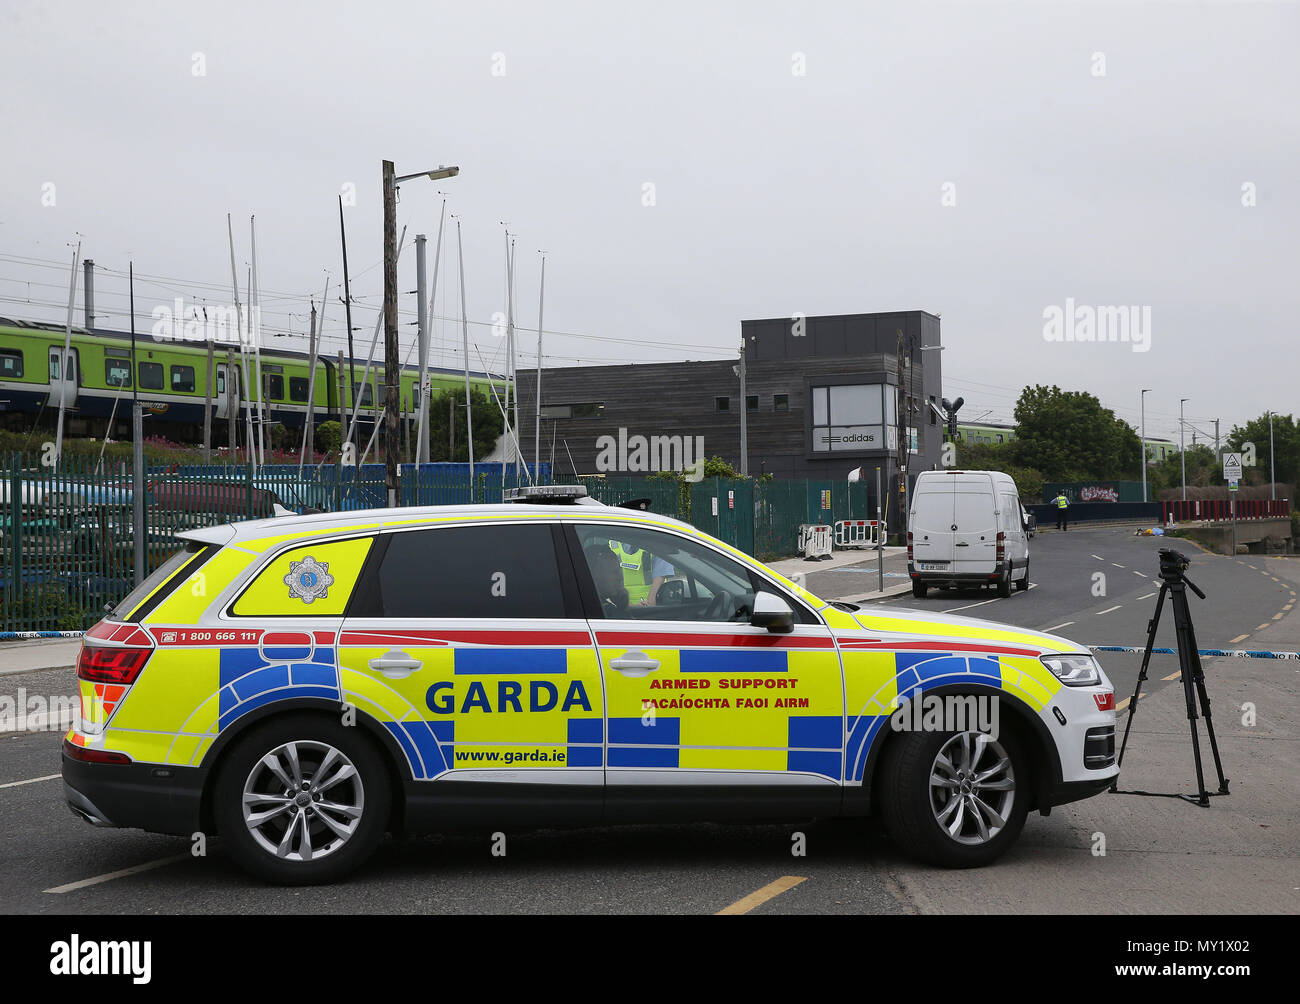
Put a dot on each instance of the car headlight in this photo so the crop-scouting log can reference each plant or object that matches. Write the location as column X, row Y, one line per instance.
column 1074, row 670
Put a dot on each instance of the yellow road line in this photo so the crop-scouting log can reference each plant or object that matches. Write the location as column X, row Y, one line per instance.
column 1262, row 626
column 760, row 896
column 1240, row 637
column 1173, row 676
column 1277, row 617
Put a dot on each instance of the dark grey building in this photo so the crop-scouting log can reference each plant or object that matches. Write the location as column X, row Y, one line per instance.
column 821, row 398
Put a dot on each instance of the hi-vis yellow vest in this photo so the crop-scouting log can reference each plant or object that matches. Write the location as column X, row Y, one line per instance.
column 1061, row 501
column 633, row 564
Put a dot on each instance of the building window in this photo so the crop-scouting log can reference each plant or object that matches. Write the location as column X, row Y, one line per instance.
column 934, row 418
column 11, row 364
column 751, row 402
column 591, row 409
column 297, row 388
column 183, row 379
column 851, row 417
column 117, row 372
column 150, row 376
column 722, row 404
column 780, row 402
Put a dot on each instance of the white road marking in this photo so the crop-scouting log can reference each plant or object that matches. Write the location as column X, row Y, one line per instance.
column 969, row 605
column 121, row 873
column 1143, row 574
column 1055, row 627
column 1117, row 564
column 1146, row 597
column 1109, row 609
column 31, row 780
column 1098, row 557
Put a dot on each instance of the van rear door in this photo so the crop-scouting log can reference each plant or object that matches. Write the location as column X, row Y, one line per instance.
column 931, row 526
column 975, row 537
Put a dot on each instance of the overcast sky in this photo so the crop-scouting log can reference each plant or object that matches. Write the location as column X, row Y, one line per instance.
column 800, row 154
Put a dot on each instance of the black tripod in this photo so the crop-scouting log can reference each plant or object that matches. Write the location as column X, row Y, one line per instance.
column 1176, row 584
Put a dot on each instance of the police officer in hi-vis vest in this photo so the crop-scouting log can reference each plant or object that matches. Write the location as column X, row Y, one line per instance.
column 1062, row 512
column 643, row 573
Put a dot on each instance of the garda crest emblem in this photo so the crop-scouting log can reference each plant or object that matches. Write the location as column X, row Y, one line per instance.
column 308, row 580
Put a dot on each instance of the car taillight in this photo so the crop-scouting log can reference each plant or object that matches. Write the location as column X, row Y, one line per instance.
column 86, row 755
column 97, row 664
column 1002, row 546
column 909, row 545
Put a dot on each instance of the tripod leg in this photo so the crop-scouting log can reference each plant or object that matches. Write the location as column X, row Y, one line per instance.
column 1152, row 625
column 1189, row 662
column 1199, row 681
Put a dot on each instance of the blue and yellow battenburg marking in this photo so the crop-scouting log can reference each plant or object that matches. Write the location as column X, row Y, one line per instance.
column 746, row 708
column 483, row 707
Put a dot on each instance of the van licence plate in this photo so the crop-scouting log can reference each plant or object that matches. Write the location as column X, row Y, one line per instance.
column 934, row 566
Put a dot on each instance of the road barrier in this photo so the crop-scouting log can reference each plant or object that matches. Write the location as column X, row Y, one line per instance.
column 1220, row 510
column 857, row 533
column 815, row 541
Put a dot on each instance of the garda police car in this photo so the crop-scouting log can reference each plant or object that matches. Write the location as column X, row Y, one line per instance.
column 303, row 684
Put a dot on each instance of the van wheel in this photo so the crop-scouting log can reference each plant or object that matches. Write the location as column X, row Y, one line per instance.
column 1004, row 583
column 301, row 800
column 919, row 589
column 954, row 799
column 1023, row 583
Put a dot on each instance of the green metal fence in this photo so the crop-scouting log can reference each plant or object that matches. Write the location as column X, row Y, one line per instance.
column 67, row 538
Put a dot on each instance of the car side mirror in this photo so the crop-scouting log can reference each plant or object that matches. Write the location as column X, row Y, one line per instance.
column 772, row 612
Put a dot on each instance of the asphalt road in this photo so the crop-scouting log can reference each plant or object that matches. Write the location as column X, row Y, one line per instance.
column 52, row 863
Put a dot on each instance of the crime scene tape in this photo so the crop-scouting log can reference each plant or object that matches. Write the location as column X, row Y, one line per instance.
column 31, row 635
column 1225, row 653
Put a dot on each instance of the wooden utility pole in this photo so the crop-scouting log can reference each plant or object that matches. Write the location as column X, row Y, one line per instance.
column 207, row 406
column 451, row 429
column 391, row 360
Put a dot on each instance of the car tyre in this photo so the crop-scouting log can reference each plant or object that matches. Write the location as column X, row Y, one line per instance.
column 1023, row 583
column 1004, row 583
column 919, row 589
column 917, row 788
column 337, row 813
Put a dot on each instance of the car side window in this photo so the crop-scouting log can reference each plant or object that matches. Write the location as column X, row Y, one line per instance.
column 484, row 571
column 644, row 574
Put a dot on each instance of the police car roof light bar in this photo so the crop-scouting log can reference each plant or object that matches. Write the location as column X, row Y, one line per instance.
column 545, row 493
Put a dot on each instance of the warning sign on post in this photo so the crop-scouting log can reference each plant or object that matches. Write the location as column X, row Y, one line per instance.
column 1232, row 467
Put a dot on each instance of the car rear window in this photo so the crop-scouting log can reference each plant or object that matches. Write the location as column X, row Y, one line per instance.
column 160, row 582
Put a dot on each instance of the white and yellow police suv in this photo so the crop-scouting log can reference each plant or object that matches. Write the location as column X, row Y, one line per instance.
column 302, row 685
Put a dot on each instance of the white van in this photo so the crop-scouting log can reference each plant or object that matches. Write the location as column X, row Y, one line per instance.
column 965, row 529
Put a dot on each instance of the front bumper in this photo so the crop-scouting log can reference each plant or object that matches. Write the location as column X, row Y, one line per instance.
column 161, row 799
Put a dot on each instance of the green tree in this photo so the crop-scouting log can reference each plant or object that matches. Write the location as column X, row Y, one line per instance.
column 1202, row 470
column 1286, row 448
column 488, row 425
column 329, row 436
column 1069, row 436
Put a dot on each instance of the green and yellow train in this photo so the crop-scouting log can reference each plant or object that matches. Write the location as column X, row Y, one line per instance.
column 96, row 381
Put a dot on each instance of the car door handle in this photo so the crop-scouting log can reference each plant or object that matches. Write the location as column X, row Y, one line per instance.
column 396, row 665
column 634, row 664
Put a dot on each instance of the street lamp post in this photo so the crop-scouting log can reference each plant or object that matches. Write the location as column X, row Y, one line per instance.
column 1182, row 453
column 391, row 363
column 1145, row 392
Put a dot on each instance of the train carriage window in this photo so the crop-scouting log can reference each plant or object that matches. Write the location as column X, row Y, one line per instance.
column 183, row 379
column 297, row 388
column 150, row 376
column 367, row 396
column 221, row 380
column 117, row 372
column 274, row 386
column 11, row 364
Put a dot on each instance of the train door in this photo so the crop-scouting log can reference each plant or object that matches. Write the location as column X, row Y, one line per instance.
column 227, row 392
column 63, row 377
